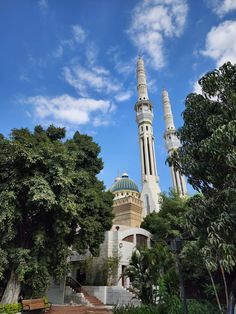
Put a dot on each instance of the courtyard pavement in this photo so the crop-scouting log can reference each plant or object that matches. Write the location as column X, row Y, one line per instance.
column 79, row 310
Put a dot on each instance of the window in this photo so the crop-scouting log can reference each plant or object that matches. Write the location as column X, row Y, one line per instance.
column 146, row 128
column 129, row 238
column 141, row 240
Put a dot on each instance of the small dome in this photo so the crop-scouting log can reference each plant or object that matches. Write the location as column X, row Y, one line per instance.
column 124, row 183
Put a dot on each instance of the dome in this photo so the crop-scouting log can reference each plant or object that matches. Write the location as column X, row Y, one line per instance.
column 124, row 183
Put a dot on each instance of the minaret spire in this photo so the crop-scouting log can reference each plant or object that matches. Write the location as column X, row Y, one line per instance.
column 150, row 194
column 172, row 143
column 142, row 82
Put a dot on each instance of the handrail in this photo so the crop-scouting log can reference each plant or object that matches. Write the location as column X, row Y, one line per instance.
column 74, row 284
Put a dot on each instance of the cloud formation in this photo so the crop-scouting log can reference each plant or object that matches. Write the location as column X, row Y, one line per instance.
column 43, row 5
column 153, row 21
column 123, row 96
column 97, row 79
column 220, row 43
column 78, row 33
column 67, row 109
column 222, row 7
column 77, row 37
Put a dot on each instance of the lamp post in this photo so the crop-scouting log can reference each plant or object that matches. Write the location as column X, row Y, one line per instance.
column 176, row 246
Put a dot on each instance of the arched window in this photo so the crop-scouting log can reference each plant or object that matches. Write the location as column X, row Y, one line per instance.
column 129, row 238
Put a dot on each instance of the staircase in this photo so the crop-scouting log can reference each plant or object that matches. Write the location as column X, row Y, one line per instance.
column 92, row 300
column 77, row 288
column 112, row 295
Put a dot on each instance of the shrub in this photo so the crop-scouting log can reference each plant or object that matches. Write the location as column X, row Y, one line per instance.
column 130, row 309
column 10, row 308
column 173, row 306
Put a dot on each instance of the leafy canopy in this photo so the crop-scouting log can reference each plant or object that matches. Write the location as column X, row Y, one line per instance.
column 51, row 200
column 208, row 158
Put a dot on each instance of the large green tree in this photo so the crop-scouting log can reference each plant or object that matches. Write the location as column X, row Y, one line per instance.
column 50, row 200
column 208, row 158
column 170, row 222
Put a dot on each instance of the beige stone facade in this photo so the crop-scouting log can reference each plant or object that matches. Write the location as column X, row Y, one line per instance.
column 127, row 211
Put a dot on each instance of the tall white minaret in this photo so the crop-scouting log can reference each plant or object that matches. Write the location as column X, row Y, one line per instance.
column 172, row 143
column 150, row 194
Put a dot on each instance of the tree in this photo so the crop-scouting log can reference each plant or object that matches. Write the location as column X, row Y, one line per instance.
column 148, row 270
column 51, row 200
column 170, row 222
column 208, row 158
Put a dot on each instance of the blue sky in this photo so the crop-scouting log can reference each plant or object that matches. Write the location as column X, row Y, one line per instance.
column 72, row 63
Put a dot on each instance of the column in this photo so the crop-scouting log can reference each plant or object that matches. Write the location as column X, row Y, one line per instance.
column 146, row 154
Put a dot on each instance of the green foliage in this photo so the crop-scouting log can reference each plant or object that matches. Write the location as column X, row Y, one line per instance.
column 152, row 274
column 129, row 309
column 169, row 222
column 208, row 158
column 172, row 306
column 141, row 275
column 172, row 216
column 10, row 308
column 101, row 272
column 51, row 199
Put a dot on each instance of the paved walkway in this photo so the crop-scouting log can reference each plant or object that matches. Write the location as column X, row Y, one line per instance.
column 79, row 310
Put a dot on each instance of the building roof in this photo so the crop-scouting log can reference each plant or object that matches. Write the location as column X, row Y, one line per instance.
column 124, row 183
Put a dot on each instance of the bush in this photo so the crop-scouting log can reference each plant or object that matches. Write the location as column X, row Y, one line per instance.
column 10, row 308
column 173, row 306
column 130, row 309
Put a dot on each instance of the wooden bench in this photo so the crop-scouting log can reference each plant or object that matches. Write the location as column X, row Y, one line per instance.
column 35, row 304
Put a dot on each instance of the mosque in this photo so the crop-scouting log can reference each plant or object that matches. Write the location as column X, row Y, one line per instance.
column 130, row 207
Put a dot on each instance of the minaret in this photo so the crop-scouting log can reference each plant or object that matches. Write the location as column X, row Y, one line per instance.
column 172, row 143
column 150, row 194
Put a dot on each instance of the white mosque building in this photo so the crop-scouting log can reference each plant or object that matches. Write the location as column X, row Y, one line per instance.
column 130, row 207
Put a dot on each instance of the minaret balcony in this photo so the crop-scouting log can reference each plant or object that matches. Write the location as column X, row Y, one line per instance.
column 143, row 103
column 144, row 116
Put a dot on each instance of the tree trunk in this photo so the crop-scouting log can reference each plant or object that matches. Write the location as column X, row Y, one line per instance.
column 12, row 290
column 214, row 287
column 225, row 285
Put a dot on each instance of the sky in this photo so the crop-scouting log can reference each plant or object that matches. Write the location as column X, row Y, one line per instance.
column 73, row 64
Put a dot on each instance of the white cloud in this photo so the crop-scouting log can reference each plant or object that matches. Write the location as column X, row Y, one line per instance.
column 122, row 67
column 91, row 52
column 43, row 4
column 98, row 121
column 152, row 22
column 97, row 78
column 78, row 33
column 152, row 85
column 221, row 44
column 58, row 52
column 123, row 96
column 67, row 109
column 197, row 88
column 222, row 7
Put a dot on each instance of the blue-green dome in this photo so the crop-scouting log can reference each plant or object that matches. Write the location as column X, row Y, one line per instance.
column 124, row 183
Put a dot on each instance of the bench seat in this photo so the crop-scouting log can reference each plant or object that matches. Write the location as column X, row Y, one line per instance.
column 35, row 304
